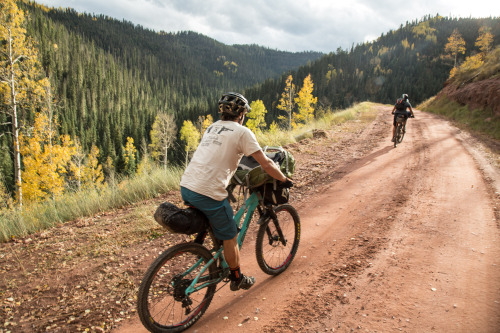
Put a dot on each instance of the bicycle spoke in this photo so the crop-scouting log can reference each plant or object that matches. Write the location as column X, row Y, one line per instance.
column 277, row 240
column 163, row 300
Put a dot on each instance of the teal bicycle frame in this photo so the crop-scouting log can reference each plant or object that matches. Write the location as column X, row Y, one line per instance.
column 250, row 205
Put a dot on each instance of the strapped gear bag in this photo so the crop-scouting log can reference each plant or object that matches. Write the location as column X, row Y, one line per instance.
column 251, row 175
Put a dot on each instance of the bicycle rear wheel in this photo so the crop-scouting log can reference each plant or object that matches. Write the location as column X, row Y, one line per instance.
column 278, row 240
column 401, row 133
column 397, row 135
column 162, row 303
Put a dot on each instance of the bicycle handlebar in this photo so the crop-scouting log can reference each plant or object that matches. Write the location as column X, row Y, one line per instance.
column 287, row 183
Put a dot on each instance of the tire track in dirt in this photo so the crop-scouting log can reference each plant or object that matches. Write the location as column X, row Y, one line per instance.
column 392, row 243
column 434, row 264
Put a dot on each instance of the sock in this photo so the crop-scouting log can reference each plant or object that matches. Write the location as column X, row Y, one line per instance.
column 235, row 274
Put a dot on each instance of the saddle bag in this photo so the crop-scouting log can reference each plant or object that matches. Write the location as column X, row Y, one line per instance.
column 180, row 221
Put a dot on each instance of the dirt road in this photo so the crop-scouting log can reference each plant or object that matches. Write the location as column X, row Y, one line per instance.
column 393, row 239
column 401, row 239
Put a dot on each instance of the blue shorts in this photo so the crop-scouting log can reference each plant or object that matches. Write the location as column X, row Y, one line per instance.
column 219, row 213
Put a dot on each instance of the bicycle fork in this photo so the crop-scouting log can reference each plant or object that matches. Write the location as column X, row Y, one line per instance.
column 270, row 214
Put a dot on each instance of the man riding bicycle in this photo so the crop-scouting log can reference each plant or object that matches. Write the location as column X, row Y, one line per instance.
column 400, row 109
column 209, row 172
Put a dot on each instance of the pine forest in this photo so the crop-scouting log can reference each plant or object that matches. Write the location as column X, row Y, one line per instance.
column 88, row 97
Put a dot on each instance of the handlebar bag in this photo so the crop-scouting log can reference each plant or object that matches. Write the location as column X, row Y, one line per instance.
column 251, row 174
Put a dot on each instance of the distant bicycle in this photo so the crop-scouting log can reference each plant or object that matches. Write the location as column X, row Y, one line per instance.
column 400, row 129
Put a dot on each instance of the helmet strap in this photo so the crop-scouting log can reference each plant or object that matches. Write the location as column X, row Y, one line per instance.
column 241, row 118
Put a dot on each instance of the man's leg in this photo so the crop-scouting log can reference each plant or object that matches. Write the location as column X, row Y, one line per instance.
column 232, row 252
column 220, row 215
column 232, row 256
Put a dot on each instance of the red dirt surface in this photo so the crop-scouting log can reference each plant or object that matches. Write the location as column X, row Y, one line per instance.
column 484, row 94
column 399, row 239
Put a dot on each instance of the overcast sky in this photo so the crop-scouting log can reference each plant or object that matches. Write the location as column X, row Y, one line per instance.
column 288, row 25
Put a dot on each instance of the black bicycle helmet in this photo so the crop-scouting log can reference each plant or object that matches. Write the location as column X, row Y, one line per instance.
column 233, row 104
column 405, row 97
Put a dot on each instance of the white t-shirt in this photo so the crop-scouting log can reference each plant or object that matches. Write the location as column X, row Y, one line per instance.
column 215, row 160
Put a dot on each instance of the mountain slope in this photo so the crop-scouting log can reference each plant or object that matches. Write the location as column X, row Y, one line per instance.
column 411, row 59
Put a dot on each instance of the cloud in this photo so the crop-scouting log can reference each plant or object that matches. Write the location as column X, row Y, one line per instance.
column 298, row 25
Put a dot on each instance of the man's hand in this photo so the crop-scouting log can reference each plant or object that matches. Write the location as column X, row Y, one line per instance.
column 287, row 183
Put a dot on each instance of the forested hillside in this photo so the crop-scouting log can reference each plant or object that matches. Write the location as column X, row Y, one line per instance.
column 106, row 82
column 110, row 78
column 411, row 59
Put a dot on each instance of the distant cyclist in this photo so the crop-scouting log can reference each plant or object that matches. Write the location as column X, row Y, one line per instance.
column 400, row 109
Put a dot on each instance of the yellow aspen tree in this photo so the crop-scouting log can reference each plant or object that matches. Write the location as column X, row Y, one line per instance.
column 256, row 118
column 163, row 136
column 273, row 128
column 331, row 74
column 21, row 77
column 305, row 102
column 45, row 163
column 203, row 123
column 209, row 120
column 146, row 165
column 130, row 161
column 191, row 137
column 76, row 166
column 423, row 29
column 93, row 176
column 109, row 170
column 286, row 102
column 455, row 45
column 484, row 41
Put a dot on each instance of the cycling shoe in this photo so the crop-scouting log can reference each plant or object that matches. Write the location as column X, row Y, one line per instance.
column 246, row 282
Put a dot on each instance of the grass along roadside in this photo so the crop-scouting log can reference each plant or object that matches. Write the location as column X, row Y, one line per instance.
column 476, row 120
column 39, row 216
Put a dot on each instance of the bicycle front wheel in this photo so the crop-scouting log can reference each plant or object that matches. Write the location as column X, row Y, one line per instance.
column 278, row 240
column 162, row 304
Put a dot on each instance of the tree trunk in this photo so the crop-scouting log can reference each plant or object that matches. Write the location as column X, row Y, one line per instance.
column 165, row 159
column 15, row 128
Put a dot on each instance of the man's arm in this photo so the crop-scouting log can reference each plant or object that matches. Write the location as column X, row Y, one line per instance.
column 269, row 166
column 411, row 110
column 393, row 109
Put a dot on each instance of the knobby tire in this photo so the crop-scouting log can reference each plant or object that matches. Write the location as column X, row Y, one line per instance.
column 278, row 240
column 401, row 133
column 397, row 136
column 162, row 305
